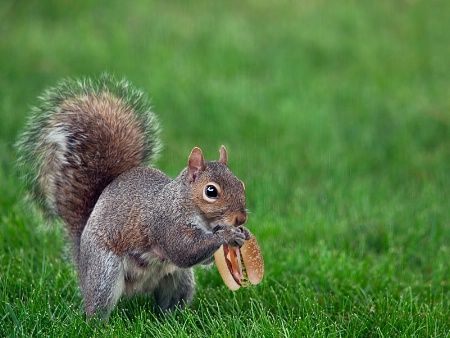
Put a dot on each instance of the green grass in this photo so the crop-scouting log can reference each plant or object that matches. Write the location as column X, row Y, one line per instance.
column 336, row 115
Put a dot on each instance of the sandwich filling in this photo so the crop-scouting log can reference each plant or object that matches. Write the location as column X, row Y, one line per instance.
column 235, row 265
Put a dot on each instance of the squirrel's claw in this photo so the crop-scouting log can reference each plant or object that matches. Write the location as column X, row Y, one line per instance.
column 219, row 227
column 233, row 236
column 245, row 232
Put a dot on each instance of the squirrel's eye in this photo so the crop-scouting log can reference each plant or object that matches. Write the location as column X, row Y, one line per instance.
column 211, row 191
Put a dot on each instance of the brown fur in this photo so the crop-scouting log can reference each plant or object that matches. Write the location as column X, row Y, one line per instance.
column 116, row 144
column 132, row 235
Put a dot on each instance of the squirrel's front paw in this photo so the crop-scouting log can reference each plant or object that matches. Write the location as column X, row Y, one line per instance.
column 245, row 232
column 233, row 236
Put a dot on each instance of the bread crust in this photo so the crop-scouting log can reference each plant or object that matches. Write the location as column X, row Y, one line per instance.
column 253, row 260
column 219, row 258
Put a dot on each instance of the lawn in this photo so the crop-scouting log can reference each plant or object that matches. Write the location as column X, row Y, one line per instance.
column 336, row 115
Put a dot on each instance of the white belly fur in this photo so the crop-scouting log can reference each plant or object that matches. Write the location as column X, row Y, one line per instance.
column 143, row 272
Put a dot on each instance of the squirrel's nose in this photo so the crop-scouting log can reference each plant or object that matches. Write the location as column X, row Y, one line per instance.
column 240, row 218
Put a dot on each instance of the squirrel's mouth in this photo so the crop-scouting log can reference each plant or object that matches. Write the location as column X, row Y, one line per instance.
column 232, row 221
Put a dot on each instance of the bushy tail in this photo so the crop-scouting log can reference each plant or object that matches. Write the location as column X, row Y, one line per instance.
column 81, row 136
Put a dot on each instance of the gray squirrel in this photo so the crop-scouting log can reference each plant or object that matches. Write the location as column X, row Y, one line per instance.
column 85, row 153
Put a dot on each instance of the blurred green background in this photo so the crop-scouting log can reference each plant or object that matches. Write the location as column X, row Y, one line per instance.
column 336, row 115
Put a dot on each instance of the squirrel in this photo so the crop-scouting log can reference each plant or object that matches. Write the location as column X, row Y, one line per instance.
column 85, row 153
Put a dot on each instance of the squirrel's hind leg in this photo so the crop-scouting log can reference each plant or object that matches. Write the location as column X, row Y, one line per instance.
column 175, row 289
column 101, row 280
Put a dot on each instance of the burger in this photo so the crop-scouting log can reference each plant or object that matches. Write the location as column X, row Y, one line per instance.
column 240, row 267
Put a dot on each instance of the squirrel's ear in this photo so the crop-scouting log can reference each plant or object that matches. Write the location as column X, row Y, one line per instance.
column 223, row 155
column 196, row 164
